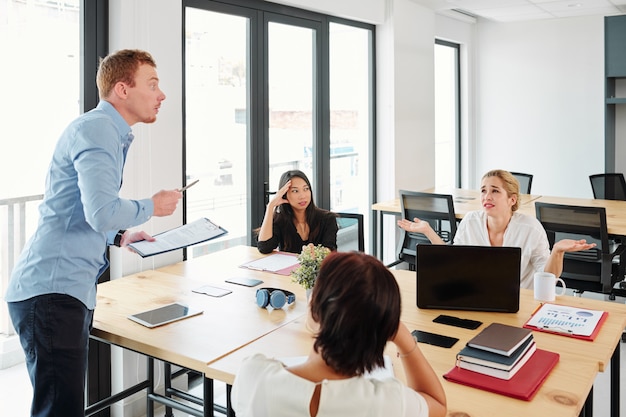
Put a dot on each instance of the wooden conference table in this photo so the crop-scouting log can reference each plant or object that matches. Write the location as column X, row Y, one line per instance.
column 469, row 200
column 233, row 327
column 227, row 323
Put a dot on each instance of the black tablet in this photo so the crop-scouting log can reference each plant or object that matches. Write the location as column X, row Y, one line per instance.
column 163, row 315
column 245, row 281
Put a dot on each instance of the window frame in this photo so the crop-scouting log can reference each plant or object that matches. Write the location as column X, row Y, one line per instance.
column 260, row 13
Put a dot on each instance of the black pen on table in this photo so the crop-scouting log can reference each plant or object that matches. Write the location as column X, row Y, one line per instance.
column 188, row 185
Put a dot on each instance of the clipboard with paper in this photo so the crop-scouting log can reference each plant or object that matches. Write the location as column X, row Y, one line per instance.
column 565, row 320
column 188, row 234
column 281, row 263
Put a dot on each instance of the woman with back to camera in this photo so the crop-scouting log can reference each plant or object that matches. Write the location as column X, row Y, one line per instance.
column 292, row 220
column 355, row 306
column 500, row 224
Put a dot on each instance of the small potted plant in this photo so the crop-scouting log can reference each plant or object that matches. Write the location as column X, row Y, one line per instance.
column 310, row 259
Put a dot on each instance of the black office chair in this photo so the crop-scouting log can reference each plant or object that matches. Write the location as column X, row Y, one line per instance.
column 436, row 209
column 350, row 236
column 525, row 181
column 596, row 269
column 608, row 186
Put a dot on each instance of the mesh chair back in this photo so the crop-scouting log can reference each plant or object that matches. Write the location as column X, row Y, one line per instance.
column 608, row 186
column 436, row 209
column 586, row 270
column 525, row 181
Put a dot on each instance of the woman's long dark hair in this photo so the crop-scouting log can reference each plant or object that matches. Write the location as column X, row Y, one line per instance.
column 284, row 214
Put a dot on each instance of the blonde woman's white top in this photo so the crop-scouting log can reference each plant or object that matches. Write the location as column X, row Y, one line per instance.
column 523, row 231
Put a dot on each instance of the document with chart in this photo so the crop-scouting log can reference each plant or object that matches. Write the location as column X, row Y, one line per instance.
column 188, row 234
column 566, row 320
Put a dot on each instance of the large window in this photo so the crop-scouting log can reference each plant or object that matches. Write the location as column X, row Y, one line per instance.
column 50, row 53
column 216, row 122
column 292, row 112
column 447, row 115
column 268, row 89
column 40, row 84
column 351, row 122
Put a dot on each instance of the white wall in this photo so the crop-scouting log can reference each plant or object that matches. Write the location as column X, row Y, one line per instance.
column 154, row 161
column 540, row 95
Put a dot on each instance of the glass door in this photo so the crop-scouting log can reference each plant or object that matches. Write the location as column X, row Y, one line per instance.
column 270, row 89
column 216, row 123
column 351, row 120
column 293, row 115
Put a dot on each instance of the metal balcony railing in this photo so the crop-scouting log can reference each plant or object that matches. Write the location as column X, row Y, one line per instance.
column 17, row 216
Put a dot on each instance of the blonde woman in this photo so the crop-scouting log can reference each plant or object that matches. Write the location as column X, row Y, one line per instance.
column 500, row 224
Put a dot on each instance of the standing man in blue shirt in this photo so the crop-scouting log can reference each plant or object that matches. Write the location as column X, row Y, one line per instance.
column 52, row 292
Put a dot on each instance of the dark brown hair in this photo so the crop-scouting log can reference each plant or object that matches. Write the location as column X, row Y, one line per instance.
column 356, row 302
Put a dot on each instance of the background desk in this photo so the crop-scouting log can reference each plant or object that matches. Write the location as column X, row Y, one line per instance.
column 464, row 202
column 563, row 393
column 615, row 210
column 469, row 200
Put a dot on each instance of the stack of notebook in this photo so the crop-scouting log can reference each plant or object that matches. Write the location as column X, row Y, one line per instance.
column 503, row 359
column 499, row 351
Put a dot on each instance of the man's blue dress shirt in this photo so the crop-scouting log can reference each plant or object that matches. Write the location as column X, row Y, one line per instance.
column 81, row 210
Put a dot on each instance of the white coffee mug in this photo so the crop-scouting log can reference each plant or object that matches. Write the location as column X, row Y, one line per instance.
column 545, row 286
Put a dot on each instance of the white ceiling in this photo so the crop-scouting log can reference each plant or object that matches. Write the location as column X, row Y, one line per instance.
column 518, row 10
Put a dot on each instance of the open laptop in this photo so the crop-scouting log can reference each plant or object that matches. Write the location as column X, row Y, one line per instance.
column 459, row 277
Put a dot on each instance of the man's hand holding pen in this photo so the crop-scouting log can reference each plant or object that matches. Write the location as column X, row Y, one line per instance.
column 165, row 202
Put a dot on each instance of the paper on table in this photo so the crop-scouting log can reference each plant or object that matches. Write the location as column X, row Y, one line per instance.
column 278, row 262
column 565, row 319
column 188, row 234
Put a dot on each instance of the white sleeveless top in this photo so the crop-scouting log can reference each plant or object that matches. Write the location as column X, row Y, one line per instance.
column 264, row 388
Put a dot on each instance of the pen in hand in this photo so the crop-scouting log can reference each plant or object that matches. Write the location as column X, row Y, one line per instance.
column 188, row 185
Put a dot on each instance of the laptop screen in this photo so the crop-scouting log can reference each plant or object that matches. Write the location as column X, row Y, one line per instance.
column 459, row 277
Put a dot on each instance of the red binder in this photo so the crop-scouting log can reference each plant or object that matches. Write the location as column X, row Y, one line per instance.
column 524, row 383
